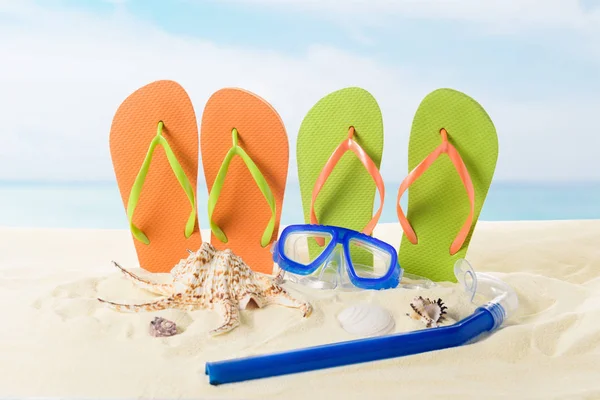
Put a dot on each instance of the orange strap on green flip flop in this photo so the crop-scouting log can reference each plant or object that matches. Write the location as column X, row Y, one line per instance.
column 444, row 148
column 136, row 189
column 349, row 145
column 260, row 182
column 336, row 186
column 438, row 234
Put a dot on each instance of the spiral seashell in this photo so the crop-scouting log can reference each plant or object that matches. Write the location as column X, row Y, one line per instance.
column 161, row 327
column 430, row 312
column 366, row 320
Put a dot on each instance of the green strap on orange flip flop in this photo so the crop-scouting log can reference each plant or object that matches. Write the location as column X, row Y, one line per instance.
column 136, row 189
column 260, row 180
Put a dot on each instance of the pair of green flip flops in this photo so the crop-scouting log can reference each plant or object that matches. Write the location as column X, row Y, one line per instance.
column 452, row 156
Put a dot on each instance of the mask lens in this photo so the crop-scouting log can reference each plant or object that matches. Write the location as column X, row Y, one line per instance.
column 305, row 247
column 369, row 261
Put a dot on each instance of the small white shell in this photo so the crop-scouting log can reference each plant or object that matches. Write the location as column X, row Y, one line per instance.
column 366, row 320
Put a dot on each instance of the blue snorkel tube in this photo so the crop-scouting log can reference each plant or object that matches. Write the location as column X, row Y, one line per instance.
column 485, row 319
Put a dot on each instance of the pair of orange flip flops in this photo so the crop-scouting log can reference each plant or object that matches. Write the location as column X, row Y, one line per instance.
column 245, row 156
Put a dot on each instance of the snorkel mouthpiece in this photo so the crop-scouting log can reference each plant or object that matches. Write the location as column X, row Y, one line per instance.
column 504, row 301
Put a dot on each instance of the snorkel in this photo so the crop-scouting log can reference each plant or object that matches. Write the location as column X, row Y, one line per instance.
column 485, row 319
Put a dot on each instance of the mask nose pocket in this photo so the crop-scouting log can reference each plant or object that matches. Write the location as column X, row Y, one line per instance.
column 328, row 275
column 334, row 273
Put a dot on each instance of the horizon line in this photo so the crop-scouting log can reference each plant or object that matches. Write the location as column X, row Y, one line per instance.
column 114, row 181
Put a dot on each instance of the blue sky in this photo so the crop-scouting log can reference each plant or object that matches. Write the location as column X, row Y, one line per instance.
column 534, row 65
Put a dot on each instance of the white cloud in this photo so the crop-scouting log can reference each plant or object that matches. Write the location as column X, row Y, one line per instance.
column 65, row 74
column 497, row 13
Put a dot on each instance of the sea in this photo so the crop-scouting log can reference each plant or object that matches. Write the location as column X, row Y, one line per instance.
column 98, row 205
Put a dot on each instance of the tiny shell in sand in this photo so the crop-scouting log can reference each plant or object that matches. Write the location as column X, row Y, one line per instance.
column 161, row 327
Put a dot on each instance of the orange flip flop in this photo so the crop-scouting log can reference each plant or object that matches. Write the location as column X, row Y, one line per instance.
column 158, row 186
column 245, row 155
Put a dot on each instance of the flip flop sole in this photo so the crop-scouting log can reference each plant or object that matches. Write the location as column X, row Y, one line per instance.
column 347, row 197
column 241, row 210
column 437, row 202
column 163, row 208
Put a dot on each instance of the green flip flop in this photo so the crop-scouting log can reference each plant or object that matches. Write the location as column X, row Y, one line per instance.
column 338, row 188
column 452, row 156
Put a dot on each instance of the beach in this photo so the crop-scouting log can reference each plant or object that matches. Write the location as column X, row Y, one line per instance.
column 57, row 340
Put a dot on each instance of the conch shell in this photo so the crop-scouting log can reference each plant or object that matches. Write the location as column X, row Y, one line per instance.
column 212, row 279
column 431, row 313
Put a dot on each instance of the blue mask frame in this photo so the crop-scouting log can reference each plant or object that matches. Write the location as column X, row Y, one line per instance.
column 338, row 236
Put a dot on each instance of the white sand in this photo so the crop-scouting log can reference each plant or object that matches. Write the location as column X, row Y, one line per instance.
column 57, row 341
